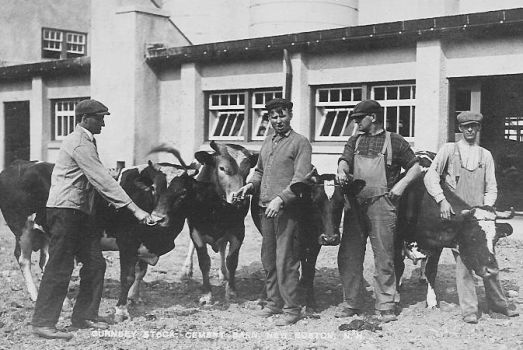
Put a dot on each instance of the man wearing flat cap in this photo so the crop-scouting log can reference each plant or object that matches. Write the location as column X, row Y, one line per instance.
column 285, row 158
column 77, row 174
column 377, row 157
column 469, row 171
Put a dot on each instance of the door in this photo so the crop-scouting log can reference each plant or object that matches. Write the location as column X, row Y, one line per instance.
column 16, row 136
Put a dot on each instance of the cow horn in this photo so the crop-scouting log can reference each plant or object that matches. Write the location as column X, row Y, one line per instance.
column 169, row 149
column 509, row 214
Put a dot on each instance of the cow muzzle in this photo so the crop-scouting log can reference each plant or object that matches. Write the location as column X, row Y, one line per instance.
column 325, row 239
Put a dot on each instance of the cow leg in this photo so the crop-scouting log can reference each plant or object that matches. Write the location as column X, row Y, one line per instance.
column 431, row 270
column 308, row 271
column 232, row 265
column 422, row 271
column 188, row 264
column 25, row 245
column 134, row 291
column 44, row 252
column 127, row 276
column 205, row 266
column 223, row 274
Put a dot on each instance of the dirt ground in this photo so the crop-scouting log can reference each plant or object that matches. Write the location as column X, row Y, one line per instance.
column 170, row 317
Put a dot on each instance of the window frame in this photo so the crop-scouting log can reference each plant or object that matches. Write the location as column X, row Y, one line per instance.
column 322, row 109
column 69, row 115
column 64, row 51
column 397, row 102
column 252, row 110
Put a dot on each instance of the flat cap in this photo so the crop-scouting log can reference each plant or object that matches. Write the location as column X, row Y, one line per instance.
column 278, row 102
column 90, row 107
column 365, row 108
column 469, row 117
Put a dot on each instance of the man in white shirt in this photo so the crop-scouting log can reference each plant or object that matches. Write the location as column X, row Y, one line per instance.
column 469, row 171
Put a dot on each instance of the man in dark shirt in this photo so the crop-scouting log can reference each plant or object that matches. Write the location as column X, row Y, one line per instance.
column 285, row 158
column 376, row 156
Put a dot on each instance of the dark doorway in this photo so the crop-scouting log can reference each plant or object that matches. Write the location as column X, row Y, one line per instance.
column 502, row 107
column 16, row 135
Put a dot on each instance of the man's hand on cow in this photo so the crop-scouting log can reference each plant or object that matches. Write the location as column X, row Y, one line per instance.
column 242, row 192
column 446, row 210
column 342, row 176
column 274, row 207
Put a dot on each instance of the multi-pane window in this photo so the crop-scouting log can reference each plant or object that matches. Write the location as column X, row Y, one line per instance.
column 399, row 106
column 514, row 128
column 333, row 108
column 63, row 44
column 227, row 112
column 261, row 122
column 63, row 121
column 239, row 116
column 463, row 103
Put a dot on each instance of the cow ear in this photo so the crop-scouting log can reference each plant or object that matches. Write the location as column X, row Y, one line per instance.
column 300, row 189
column 253, row 159
column 204, row 157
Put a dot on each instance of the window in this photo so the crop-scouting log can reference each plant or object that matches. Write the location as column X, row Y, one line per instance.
column 514, row 128
column 230, row 117
column 260, row 116
column 227, row 116
column 463, row 103
column 63, row 120
column 398, row 102
column 62, row 44
column 333, row 107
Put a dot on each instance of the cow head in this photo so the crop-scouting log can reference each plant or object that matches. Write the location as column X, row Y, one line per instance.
column 176, row 188
column 226, row 168
column 326, row 199
column 478, row 237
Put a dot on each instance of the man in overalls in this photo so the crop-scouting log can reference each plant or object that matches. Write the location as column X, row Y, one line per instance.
column 376, row 156
column 469, row 171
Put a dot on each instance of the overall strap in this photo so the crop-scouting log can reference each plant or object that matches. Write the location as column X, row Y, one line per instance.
column 358, row 138
column 387, row 148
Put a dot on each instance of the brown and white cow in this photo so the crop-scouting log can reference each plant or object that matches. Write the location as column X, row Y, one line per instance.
column 212, row 217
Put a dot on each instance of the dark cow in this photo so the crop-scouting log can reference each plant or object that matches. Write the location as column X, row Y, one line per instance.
column 24, row 188
column 320, row 205
column 213, row 218
column 473, row 230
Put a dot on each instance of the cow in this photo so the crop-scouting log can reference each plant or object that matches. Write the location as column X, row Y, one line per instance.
column 320, row 205
column 214, row 218
column 158, row 188
column 474, row 231
column 24, row 188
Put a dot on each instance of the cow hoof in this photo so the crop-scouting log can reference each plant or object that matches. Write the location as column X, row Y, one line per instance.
column 206, row 299
column 121, row 314
column 261, row 301
column 230, row 293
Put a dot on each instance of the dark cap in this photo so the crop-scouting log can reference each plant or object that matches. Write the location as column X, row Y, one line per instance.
column 469, row 117
column 90, row 107
column 278, row 102
column 365, row 108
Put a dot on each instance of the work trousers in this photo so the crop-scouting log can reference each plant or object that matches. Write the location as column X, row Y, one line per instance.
column 279, row 255
column 70, row 238
column 468, row 299
column 379, row 224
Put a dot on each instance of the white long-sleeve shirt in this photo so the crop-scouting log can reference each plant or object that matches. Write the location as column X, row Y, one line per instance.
column 445, row 165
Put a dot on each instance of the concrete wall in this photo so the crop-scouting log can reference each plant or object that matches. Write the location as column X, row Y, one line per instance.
column 121, row 78
column 24, row 19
